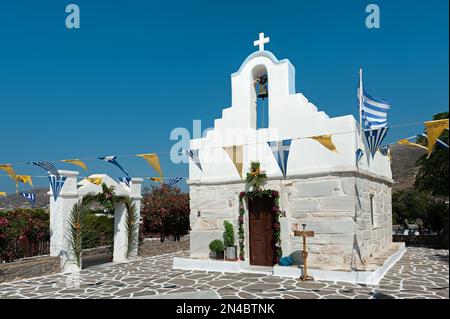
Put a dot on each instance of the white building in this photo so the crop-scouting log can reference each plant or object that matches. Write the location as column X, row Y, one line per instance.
column 347, row 204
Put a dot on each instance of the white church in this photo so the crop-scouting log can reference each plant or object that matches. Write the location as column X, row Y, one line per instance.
column 345, row 200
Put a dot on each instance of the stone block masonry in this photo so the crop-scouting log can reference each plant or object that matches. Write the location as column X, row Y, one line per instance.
column 29, row 268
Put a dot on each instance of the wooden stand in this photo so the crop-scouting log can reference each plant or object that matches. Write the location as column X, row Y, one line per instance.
column 304, row 233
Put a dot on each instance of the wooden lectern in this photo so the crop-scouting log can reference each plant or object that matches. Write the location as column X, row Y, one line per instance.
column 304, row 233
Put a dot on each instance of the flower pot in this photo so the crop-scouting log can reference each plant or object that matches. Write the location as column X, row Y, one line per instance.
column 231, row 252
column 215, row 255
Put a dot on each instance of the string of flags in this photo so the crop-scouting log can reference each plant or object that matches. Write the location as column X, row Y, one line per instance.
column 31, row 197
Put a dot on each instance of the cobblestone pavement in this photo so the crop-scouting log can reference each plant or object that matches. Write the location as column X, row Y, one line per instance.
column 420, row 273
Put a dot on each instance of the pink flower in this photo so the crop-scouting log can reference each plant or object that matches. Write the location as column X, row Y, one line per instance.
column 241, row 257
column 241, row 219
column 241, row 194
column 3, row 222
column 275, row 194
column 275, row 209
column 276, row 226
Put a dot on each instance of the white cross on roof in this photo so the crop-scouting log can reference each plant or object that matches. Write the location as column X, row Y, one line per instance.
column 262, row 40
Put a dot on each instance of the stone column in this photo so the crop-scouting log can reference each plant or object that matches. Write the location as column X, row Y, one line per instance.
column 59, row 215
column 120, row 231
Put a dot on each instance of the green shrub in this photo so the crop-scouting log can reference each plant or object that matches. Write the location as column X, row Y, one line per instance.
column 216, row 246
column 99, row 229
column 228, row 235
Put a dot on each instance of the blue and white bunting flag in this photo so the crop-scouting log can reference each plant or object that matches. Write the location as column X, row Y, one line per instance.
column 31, row 197
column 124, row 181
column 374, row 139
column 173, row 181
column 359, row 155
column 194, row 155
column 49, row 167
column 56, row 184
column 384, row 150
column 113, row 160
column 280, row 150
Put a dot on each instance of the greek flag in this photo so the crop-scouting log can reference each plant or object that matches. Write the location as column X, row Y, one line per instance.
column 359, row 155
column 124, row 181
column 374, row 139
column 113, row 160
column 49, row 167
column 31, row 197
column 173, row 181
column 56, row 184
column 374, row 112
column 280, row 150
column 194, row 155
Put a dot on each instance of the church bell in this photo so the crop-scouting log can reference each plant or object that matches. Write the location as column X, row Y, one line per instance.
column 262, row 88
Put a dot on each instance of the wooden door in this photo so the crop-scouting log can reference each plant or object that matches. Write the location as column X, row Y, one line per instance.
column 261, row 232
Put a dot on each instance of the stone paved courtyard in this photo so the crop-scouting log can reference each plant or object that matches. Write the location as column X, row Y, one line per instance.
column 421, row 273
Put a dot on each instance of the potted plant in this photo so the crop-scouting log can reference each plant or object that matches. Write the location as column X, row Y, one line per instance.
column 228, row 239
column 216, row 246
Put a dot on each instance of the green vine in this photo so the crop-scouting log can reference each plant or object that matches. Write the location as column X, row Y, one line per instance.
column 107, row 199
column 256, row 179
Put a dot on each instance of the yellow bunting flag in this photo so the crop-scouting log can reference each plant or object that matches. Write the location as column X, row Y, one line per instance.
column 406, row 142
column 434, row 130
column 24, row 179
column 8, row 169
column 236, row 154
column 76, row 162
column 3, row 194
column 325, row 140
column 95, row 180
column 153, row 160
column 156, row 179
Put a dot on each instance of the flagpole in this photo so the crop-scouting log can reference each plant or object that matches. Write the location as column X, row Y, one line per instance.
column 361, row 90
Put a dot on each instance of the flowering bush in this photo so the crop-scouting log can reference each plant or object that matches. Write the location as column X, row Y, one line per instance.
column 21, row 231
column 165, row 212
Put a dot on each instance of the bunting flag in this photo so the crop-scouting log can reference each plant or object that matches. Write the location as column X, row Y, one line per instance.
column 326, row 141
column 113, row 160
column 24, row 179
column 385, row 150
column 439, row 142
column 9, row 170
column 359, row 155
column 94, row 180
column 194, row 155
column 173, row 181
column 3, row 194
column 434, row 129
column 124, row 181
column 153, row 160
column 56, row 184
column 76, row 162
column 280, row 150
column 31, row 197
column 374, row 139
column 236, row 155
column 156, row 179
column 406, row 142
column 49, row 167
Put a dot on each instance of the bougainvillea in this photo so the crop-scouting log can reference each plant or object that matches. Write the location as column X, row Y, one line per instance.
column 22, row 230
column 165, row 212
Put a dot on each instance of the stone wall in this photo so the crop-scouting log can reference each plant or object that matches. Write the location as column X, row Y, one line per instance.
column 335, row 206
column 154, row 247
column 29, row 268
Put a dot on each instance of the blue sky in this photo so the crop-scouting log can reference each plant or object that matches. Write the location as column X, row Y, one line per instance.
column 137, row 69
